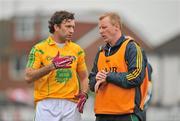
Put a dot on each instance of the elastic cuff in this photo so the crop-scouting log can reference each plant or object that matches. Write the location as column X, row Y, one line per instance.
column 85, row 94
column 54, row 65
column 108, row 77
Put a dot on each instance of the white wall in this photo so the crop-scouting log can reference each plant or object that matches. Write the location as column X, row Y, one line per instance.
column 153, row 60
column 172, row 89
column 166, row 79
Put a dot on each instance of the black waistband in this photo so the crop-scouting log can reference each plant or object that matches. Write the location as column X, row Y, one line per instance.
column 113, row 115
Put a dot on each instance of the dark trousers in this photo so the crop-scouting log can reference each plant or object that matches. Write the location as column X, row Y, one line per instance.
column 127, row 117
column 144, row 115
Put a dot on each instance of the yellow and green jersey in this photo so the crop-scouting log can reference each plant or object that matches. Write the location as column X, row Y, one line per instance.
column 60, row 83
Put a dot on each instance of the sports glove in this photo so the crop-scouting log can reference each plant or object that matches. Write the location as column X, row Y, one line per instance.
column 82, row 96
column 62, row 62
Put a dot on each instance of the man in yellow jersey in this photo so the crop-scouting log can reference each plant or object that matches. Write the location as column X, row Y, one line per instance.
column 119, row 75
column 57, row 67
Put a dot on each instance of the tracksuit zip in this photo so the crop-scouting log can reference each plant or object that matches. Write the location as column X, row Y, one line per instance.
column 109, row 51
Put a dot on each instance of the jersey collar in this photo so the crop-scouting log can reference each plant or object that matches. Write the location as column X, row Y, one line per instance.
column 51, row 41
column 118, row 43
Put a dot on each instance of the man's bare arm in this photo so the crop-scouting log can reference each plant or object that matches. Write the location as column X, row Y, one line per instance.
column 83, row 75
column 34, row 74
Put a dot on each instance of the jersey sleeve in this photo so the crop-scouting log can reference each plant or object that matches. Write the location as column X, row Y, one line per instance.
column 34, row 60
column 81, row 65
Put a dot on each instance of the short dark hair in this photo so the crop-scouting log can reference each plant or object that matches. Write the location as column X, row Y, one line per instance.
column 58, row 17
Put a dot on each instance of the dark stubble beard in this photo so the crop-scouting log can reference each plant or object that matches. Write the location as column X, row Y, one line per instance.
column 62, row 39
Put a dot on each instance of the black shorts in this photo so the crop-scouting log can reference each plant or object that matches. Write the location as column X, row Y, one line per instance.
column 126, row 117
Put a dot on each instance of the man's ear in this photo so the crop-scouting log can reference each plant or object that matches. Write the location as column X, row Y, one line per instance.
column 117, row 27
column 56, row 27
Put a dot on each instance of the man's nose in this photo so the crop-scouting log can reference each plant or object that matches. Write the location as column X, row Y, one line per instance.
column 100, row 31
column 71, row 30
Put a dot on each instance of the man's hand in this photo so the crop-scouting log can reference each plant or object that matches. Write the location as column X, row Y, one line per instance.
column 100, row 80
column 62, row 62
column 82, row 96
column 101, row 75
column 99, row 85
